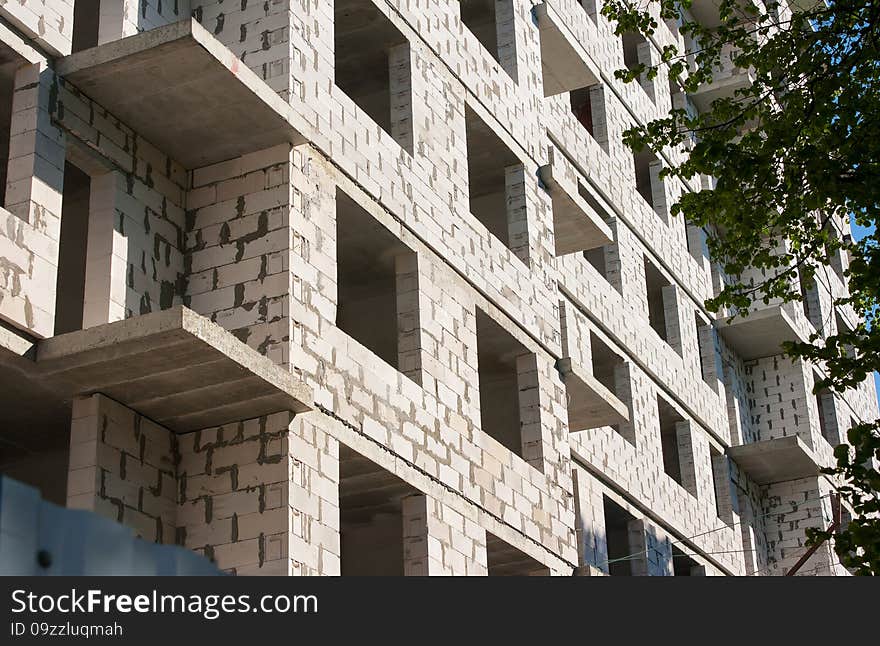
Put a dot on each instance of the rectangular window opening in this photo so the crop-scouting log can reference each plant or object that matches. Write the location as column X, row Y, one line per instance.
column 489, row 159
column 86, row 18
column 371, row 524
column 372, row 60
column 669, row 430
column 369, row 262
column 617, row 521
column 655, row 283
column 498, row 355
column 483, row 19
column 506, row 560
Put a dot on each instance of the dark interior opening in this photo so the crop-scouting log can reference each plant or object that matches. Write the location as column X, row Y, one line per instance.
column 669, row 418
column 367, row 279
column 86, row 16
column 71, row 285
column 617, row 521
column 363, row 38
column 497, row 353
column 488, row 159
column 506, row 560
column 654, row 284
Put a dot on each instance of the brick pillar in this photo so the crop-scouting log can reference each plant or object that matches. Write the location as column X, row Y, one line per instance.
column 437, row 540
column 106, row 255
column 234, row 488
column 672, row 314
column 508, row 47
column 401, row 82
column 689, row 455
column 599, row 112
column 517, row 211
column 531, row 429
column 34, row 186
column 646, row 55
column 654, row 552
column 409, row 338
column 122, row 466
column 624, row 390
column 659, row 199
column 117, row 19
column 589, row 523
column 314, row 500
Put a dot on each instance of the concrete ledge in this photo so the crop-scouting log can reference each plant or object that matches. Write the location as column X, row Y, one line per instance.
column 760, row 334
column 182, row 90
column 565, row 64
column 578, row 226
column 777, row 460
column 590, row 404
column 175, row 367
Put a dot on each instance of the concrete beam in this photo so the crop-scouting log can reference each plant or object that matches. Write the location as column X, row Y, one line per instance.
column 760, row 334
column 182, row 90
column 175, row 367
column 590, row 403
column 565, row 64
column 777, row 460
column 578, row 226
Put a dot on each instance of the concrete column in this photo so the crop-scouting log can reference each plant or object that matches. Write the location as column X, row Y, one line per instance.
column 401, row 82
column 654, row 552
column 106, row 255
column 517, row 212
column 409, row 339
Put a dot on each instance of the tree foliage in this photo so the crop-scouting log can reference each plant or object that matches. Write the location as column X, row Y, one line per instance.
column 795, row 154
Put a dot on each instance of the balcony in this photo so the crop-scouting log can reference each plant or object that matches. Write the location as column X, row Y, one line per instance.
column 182, row 90
column 578, row 220
column 175, row 367
column 590, row 403
column 726, row 80
column 761, row 333
column 564, row 62
column 777, row 460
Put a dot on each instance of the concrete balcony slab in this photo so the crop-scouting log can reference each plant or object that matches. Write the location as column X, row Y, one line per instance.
column 777, row 460
column 760, row 334
column 590, row 403
column 564, row 62
column 578, row 225
column 185, row 92
column 175, row 367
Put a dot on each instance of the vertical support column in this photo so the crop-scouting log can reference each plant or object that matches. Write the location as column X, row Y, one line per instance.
column 589, row 523
column 724, row 499
column 437, row 540
column 645, row 51
column 117, row 19
column 234, row 493
column 508, row 48
column 401, row 81
column 672, row 314
column 409, row 338
column 659, row 199
column 623, row 388
column 517, row 212
column 34, row 186
column 122, row 466
column 106, row 255
column 599, row 112
column 654, row 553
column 688, row 458
column 531, row 429
column 421, row 555
column 314, row 500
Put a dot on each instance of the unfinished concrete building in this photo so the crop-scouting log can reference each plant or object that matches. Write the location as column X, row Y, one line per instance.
column 374, row 287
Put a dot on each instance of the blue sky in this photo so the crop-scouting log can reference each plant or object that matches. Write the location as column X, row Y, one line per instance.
column 860, row 232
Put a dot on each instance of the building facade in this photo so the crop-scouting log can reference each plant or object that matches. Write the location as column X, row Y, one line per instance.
column 374, row 287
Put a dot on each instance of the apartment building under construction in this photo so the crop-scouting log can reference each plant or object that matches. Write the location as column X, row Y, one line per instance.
column 374, row 287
